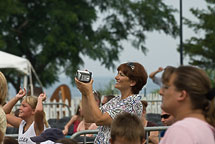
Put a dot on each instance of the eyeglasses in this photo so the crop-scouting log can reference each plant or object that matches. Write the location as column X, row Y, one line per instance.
column 131, row 65
column 165, row 116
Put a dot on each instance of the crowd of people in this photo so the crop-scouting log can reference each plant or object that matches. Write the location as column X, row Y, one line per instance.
column 188, row 109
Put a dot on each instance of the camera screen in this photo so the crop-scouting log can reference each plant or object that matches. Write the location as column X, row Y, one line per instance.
column 85, row 77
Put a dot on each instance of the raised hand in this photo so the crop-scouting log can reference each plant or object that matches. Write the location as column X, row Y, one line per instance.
column 21, row 93
column 42, row 96
column 160, row 69
column 84, row 88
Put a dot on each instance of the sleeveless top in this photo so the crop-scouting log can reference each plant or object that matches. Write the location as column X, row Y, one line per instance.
column 24, row 137
column 75, row 126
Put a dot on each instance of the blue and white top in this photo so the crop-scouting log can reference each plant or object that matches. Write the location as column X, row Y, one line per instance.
column 115, row 106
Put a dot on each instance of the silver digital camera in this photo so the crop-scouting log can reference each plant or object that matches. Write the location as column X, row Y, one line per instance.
column 83, row 76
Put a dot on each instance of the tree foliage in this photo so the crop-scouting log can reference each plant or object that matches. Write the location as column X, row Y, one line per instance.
column 54, row 34
column 201, row 49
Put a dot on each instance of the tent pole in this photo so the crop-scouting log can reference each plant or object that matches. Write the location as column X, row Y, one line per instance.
column 31, row 84
column 25, row 84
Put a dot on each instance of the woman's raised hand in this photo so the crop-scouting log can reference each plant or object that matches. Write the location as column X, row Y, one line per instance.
column 84, row 88
column 42, row 96
column 21, row 93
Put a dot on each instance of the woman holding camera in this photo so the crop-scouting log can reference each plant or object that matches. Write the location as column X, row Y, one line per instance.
column 130, row 80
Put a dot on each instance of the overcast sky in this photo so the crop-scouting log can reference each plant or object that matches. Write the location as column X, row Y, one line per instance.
column 161, row 48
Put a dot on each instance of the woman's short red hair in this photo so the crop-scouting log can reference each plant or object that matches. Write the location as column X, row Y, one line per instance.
column 136, row 72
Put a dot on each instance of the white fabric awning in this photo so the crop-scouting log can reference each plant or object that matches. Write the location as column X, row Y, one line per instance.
column 12, row 61
column 23, row 65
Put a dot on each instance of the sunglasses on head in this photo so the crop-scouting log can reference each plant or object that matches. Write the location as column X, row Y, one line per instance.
column 165, row 116
column 131, row 65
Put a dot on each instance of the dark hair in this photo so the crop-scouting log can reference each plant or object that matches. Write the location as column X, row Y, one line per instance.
column 145, row 104
column 78, row 110
column 197, row 84
column 127, row 126
column 136, row 72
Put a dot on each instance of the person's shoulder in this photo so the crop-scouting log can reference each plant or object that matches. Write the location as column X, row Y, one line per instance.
column 190, row 121
column 187, row 124
column 137, row 97
column 116, row 97
column 23, row 122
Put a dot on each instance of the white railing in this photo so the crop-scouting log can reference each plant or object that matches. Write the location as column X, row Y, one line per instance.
column 58, row 110
column 154, row 103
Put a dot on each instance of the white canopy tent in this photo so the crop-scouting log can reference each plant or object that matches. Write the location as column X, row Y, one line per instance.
column 21, row 64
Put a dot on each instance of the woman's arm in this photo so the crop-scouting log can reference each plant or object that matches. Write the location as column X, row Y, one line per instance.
column 11, row 118
column 39, row 115
column 66, row 127
column 92, row 113
column 9, row 106
column 152, row 74
column 90, row 109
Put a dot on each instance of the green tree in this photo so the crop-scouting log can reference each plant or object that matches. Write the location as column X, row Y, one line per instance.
column 201, row 49
column 53, row 35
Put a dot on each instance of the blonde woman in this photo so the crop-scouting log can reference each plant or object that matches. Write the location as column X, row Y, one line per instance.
column 3, row 94
column 31, row 121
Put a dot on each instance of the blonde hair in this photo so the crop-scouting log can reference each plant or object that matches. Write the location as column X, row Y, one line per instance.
column 3, row 88
column 32, row 101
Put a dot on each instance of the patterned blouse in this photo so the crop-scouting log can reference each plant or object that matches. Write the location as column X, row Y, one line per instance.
column 115, row 106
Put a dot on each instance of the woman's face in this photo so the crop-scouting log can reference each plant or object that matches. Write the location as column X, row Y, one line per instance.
column 122, row 81
column 25, row 110
column 169, row 96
